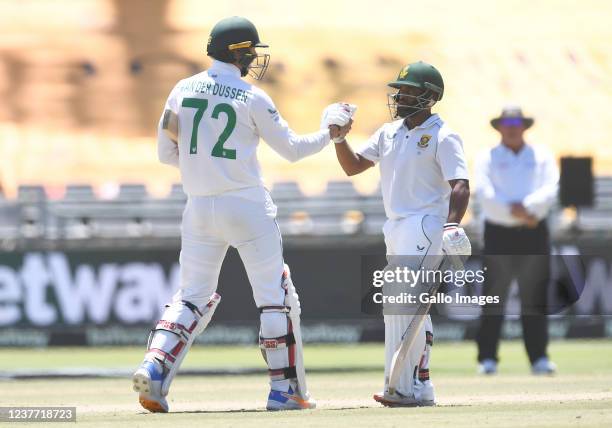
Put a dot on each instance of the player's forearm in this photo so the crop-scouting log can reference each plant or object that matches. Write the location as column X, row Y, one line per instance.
column 350, row 162
column 308, row 144
column 459, row 199
column 541, row 201
column 294, row 147
column 167, row 136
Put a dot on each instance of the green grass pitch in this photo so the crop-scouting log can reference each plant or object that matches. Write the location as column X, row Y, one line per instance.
column 579, row 395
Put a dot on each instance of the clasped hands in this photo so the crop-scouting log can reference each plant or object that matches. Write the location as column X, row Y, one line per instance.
column 518, row 210
column 338, row 118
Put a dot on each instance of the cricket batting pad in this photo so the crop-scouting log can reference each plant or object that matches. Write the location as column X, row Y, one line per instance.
column 174, row 334
column 281, row 339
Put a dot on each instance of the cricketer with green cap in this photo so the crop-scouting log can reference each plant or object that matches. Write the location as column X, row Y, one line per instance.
column 424, row 183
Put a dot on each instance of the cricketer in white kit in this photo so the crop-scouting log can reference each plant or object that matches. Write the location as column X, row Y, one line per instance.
column 425, row 189
column 210, row 130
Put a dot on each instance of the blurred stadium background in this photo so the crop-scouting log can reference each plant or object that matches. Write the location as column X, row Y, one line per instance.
column 89, row 221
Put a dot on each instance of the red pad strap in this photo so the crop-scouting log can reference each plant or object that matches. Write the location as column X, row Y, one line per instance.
column 165, row 357
column 277, row 342
column 176, row 328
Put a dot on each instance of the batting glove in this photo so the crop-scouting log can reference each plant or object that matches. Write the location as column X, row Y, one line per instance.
column 337, row 114
column 456, row 244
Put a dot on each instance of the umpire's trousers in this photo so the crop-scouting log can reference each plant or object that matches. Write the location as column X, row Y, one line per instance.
column 523, row 254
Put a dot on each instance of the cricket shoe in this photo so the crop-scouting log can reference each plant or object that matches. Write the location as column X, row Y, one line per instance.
column 147, row 381
column 395, row 400
column 424, row 393
column 281, row 400
column 543, row 366
column 487, row 366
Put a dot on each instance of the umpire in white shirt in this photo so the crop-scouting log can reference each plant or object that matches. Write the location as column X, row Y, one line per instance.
column 517, row 185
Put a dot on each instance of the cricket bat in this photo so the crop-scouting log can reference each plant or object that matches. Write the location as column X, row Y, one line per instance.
column 398, row 363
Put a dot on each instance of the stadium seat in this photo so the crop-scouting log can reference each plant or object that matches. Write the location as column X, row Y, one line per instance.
column 132, row 192
column 79, row 192
column 177, row 192
column 598, row 217
column 340, row 189
column 31, row 194
column 33, row 201
column 286, row 190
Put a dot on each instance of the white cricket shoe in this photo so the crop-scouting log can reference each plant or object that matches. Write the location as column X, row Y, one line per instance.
column 487, row 367
column 543, row 366
column 147, row 381
column 424, row 393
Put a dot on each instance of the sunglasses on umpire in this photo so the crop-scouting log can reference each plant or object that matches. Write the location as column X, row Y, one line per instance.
column 511, row 121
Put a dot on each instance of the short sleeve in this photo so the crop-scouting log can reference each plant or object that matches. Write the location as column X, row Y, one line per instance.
column 451, row 158
column 167, row 150
column 371, row 149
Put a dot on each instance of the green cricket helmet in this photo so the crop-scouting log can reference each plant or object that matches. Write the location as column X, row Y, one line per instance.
column 417, row 75
column 238, row 35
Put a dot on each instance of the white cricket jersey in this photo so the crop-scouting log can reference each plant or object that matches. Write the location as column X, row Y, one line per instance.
column 416, row 165
column 221, row 119
column 503, row 177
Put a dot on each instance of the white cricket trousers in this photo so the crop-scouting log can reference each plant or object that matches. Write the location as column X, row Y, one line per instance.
column 244, row 219
column 417, row 235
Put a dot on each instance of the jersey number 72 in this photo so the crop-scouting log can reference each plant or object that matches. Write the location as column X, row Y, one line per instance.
column 201, row 105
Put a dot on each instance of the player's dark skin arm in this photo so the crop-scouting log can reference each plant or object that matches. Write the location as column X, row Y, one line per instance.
column 459, row 198
column 351, row 162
